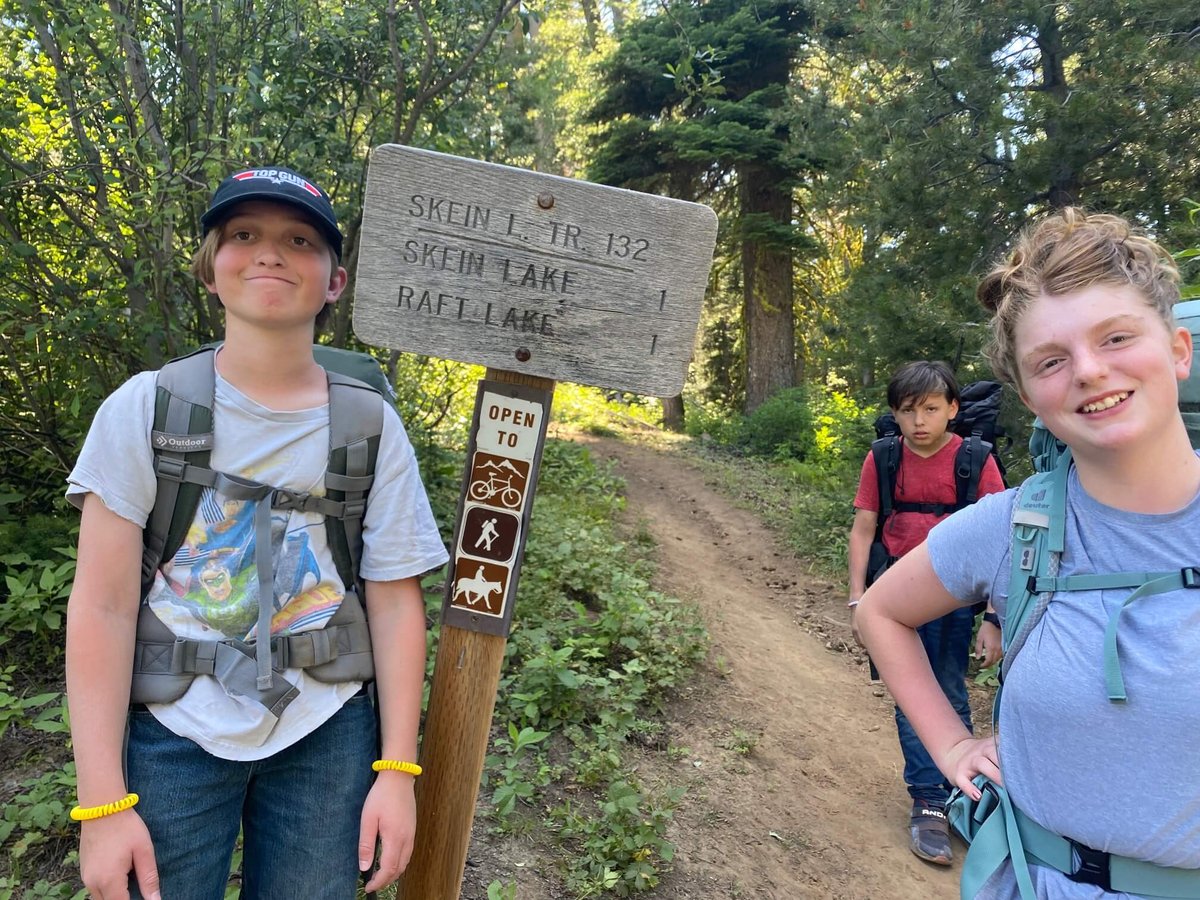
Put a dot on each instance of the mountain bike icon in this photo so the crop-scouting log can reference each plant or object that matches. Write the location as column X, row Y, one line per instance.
column 486, row 490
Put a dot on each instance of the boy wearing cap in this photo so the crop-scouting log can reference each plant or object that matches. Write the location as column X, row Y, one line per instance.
column 162, row 816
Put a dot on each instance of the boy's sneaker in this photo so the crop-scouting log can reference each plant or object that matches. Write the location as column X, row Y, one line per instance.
column 929, row 833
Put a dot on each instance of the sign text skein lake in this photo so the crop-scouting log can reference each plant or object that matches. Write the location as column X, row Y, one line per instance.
column 530, row 273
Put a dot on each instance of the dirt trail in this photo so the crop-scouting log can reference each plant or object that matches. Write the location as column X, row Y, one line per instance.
column 788, row 752
column 817, row 808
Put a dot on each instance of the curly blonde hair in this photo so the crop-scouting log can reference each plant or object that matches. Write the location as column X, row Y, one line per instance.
column 1069, row 251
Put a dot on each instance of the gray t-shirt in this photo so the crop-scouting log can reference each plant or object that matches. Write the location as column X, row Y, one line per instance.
column 1119, row 777
column 208, row 590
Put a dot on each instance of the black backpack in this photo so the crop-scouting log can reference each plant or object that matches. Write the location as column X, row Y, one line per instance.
column 977, row 423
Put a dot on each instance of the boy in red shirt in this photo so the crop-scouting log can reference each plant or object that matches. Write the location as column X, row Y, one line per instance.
column 924, row 398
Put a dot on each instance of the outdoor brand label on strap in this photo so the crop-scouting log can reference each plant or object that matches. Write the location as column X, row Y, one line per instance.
column 181, row 443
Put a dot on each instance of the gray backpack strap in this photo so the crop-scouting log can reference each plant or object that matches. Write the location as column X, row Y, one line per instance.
column 355, row 427
column 182, row 437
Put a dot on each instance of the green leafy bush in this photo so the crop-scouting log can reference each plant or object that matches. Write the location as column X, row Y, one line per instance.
column 622, row 844
column 710, row 421
column 35, row 826
column 781, row 427
column 31, row 617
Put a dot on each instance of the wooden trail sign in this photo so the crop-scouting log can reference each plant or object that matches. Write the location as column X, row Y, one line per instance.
column 539, row 278
column 531, row 273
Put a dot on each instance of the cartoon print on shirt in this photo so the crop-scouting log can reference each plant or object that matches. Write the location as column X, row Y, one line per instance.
column 212, row 580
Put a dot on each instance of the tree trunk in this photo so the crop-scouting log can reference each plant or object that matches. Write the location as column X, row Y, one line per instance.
column 673, row 413
column 767, row 290
column 1065, row 180
column 592, row 21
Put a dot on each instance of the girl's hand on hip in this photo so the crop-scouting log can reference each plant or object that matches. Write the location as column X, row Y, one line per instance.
column 971, row 757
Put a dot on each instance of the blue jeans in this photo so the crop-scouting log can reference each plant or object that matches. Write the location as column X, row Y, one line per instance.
column 947, row 643
column 299, row 810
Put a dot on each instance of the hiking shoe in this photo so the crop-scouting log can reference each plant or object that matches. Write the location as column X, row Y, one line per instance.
column 929, row 833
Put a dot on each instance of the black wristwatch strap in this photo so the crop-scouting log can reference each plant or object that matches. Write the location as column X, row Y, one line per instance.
column 992, row 617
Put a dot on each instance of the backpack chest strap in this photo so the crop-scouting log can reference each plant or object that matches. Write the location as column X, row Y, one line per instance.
column 1144, row 584
column 280, row 498
column 934, row 509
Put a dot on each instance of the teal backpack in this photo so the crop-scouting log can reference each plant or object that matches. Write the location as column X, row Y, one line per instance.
column 182, row 440
column 995, row 829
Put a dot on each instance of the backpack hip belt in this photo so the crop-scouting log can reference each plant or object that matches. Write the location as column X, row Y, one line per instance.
column 997, row 830
column 164, row 666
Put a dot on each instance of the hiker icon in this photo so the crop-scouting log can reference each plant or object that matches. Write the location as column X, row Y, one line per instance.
column 487, row 534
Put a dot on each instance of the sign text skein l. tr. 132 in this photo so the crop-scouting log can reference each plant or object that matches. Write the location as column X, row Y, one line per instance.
column 531, row 273
column 509, row 429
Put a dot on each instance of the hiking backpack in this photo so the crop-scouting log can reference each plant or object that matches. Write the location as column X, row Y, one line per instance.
column 182, row 440
column 977, row 423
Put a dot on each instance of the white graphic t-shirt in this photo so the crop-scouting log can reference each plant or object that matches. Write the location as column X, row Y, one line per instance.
column 209, row 589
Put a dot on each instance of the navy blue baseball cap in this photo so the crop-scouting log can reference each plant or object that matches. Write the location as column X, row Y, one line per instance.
column 278, row 185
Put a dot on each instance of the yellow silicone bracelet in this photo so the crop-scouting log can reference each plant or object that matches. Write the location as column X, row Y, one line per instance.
column 83, row 813
column 393, row 765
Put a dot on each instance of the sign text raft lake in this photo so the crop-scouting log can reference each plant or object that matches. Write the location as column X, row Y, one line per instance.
column 530, row 273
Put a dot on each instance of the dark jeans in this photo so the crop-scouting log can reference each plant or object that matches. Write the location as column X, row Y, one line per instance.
column 299, row 810
column 947, row 643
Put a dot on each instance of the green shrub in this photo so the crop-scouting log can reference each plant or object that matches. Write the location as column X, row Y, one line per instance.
column 35, row 604
column 39, row 535
column 782, row 427
column 843, row 430
column 622, row 845
column 710, row 421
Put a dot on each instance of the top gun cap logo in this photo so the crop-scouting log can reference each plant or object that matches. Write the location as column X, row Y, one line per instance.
column 278, row 185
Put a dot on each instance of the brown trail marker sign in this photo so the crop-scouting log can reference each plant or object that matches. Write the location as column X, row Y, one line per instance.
column 541, row 279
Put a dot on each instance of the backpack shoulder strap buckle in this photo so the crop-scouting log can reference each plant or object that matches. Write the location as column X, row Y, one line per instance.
column 1093, row 866
column 170, row 468
column 1190, row 576
column 286, row 498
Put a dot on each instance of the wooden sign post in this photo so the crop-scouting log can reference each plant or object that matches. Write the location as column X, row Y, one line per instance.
column 539, row 278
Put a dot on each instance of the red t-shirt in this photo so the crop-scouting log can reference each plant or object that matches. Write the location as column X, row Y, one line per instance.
column 920, row 479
